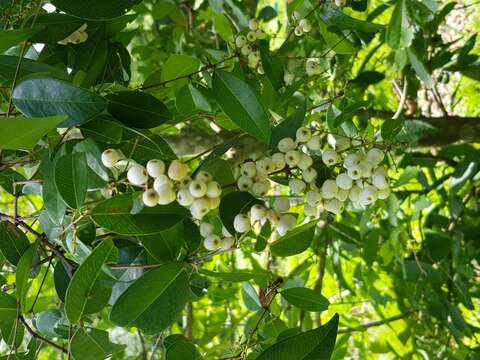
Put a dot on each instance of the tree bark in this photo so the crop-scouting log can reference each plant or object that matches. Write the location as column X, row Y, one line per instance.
column 451, row 128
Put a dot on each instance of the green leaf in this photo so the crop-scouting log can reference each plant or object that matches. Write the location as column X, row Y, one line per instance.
column 336, row 41
column 8, row 319
column 250, row 297
column 399, row 34
column 13, row 242
column 46, row 322
column 391, row 127
column 23, row 271
column 166, row 245
column 240, row 104
column 235, row 203
column 190, row 100
column 182, row 350
column 154, row 301
column 289, row 126
column 151, row 147
column 103, row 129
column 80, row 288
column 9, row 38
column 55, row 27
column 8, row 67
column 23, row 133
column 306, row 299
column 223, row 27
column 333, row 16
column 317, row 344
column 71, row 178
column 114, row 215
column 42, row 97
column 93, row 344
column 94, row 10
column 137, row 109
column 368, row 78
column 294, row 242
column 419, row 68
column 273, row 67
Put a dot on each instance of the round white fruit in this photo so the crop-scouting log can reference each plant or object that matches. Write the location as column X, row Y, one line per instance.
column 162, row 180
column 329, row 189
column 206, row 229
column 286, row 144
column 137, row 175
column 303, row 134
column 278, row 160
column 334, row 206
column 330, row 157
column 257, row 212
column 155, row 168
column 240, row 41
column 150, row 198
column 281, row 204
column 227, row 243
column 368, row 195
column 199, row 208
column 314, row 198
column 244, row 183
column 344, row 181
column 285, row 223
column 203, row 176
column 314, row 143
column 184, row 197
column 375, row 156
column 197, row 188
column 296, row 186
column 212, row 243
column 304, row 162
column 309, row 175
column 292, row 157
column 110, row 157
column 177, row 170
column 241, row 223
column 248, row 169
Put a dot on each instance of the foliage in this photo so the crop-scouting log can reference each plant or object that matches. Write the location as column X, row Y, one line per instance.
column 239, row 179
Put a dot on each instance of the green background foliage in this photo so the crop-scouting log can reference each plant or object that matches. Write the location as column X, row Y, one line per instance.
column 87, row 272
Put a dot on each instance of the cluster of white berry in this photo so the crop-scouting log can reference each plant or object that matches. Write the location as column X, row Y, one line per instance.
column 246, row 44
column 302, row 25
column 200, row 194
column 357, row 175
column 212, row 241
column 78, row 36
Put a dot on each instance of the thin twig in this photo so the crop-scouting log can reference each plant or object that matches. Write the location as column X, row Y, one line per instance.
column 37, row 336
column 368, row 325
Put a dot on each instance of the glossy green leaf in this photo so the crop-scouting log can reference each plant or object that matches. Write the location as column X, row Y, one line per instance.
column 240, row 104
column 273, row 67
column 154, row 301
column 334, row 16
column 8, row 68
column 182, row 350
column 115, row 215
column 399, row 33
column 42, row 97
column 46, row 321
column 71, row 178
column 190, row 100
column 23, row 273
column 166, row 245
column 336, row 41
column 23, row 133
column 137, row 109
column 306, row 299
column 13, row 242
column 234, row 276
column 250, row 297
column 94, row 10
column 391, row 127
column 103, row 129
column 295, row 241
column 84, row 279
column 8, row 318
column 235, row 203
column 151, row 147
column 289, row 126
column 10, row 38
column 317, row 344
column 93, row 344
column 368, row 78
column 419, row 67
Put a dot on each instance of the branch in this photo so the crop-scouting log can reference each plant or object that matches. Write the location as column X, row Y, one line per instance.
column 451, row 128
column 37, row 336
column 368, row 325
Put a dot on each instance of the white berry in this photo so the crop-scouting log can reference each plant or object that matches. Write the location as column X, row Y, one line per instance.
column 368, row 196
column 292, row 157
column 251, row 36
column 285, row 223
column 206, row 229
column 309, row 175
column 184, row 197
column 155, row 168
column 213, row 202
column 314, row 143
column 257, row 212
column 344, row 181
column 329, row 189
column 260, row 188
column 137, row 175
column 199, row 208
column 286, row 144
column 150, row 198
column 314, row 198
column 177, row 170
column 296, row 186
column 305, row 25
column 244, row 183
column 329, row 157
column 253, row 24
column 375, row 156
column 354, row 172
column 383, row 193
column 161, row 180
column 304, row 162
column 303, row 134
column 241, row 223
column 212, row 242
column 248, row 169
column 240, row 41
column 278, row 160
column 110, row 157
column 203, row 176
column 246, row 49
column 227, row 243
column 334, row 206
column 197, row 188
column 166, row 194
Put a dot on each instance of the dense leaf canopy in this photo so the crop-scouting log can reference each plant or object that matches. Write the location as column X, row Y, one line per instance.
column 226, row 179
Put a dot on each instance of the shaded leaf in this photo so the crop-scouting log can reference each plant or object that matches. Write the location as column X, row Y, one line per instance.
column 306, row 299
column 295, row 241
